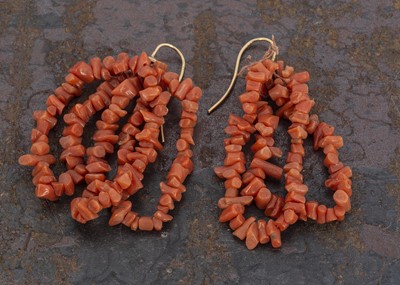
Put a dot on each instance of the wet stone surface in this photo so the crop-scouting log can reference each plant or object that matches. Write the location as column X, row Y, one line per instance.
column 351, row 49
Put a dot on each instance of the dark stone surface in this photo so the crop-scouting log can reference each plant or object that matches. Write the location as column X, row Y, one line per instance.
column 352, row 50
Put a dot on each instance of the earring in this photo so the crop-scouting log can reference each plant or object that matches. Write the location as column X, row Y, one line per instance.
column 289, row 92
column 126, row 78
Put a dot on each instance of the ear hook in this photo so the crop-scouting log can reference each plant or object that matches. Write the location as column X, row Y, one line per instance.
column 153, row 59
column 270, row 53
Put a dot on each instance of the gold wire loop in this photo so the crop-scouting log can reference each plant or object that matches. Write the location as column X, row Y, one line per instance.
column 270, row 53
column 153, row 59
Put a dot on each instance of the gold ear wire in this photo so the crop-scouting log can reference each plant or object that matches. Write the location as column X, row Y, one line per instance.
column 153, row 59
column 270, row 53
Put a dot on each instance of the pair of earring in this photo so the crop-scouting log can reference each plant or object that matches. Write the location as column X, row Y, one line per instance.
column 148, row 81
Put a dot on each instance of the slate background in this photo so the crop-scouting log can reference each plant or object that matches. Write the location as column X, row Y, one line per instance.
column 351, row 49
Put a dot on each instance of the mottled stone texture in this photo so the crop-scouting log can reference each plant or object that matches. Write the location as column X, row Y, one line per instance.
column 352, row 50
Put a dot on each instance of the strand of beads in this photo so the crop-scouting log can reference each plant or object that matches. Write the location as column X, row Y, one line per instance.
column 124, row 79
column 289, row 92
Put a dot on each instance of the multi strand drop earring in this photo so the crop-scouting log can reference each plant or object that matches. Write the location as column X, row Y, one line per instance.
column 124, row 79
column 289, row 91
